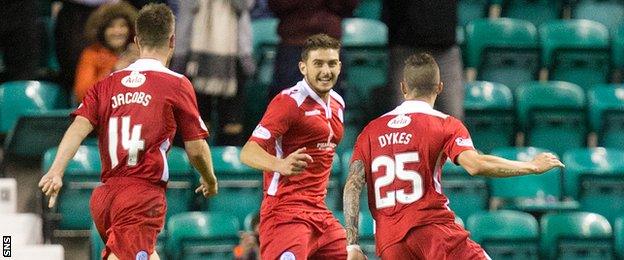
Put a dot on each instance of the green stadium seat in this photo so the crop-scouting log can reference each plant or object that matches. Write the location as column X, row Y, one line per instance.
column 333, row 199
column 182, row 182
column 369, row 9
column 576, row 51
column 503, row 50
column 548, row 183
column 240, row 187
column 618, row 235
column 552, row 115
column 589, row 161
column 365, row 61
column 97, row 245
column 535, row 11
column 367, row 234
column 595, row 177
column 468, row 10
column 81, row 177
column 576, row 235
column 202, row 235
column 35, row 132
column 466, row 194
column 506, row 234
column 607, row 12
column 489, row 114
column 617, row 47
column 606, row 114
column 20, row 97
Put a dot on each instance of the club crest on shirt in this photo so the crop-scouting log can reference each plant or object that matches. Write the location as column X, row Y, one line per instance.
column 134, row 80
column 141, row 255
column 287, row 256
column 467, row 142
column 261, row 132
column 399, row 121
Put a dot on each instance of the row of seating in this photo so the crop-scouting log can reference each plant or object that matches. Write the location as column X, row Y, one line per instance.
column 504, row 234
column 593, row 180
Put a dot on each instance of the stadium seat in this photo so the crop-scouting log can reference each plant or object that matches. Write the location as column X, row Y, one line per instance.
column 466, row 194
column 97, row 245
column 595, row 177
column 367, row 234
column 503, row 50
column 81, row 177
column 618, row 235
column 365, row 61
column 333, row 199
column 182, row 182
column 506, row 234
column 202, row 235
column 576, row 51
column 8, row 196
column 547, row 184
column 35, row 132
column 240, row 187
column 489, row 114
column 576, row 235
column 369, row 9
column 535, row 11
column 552, row 115
column 468, row 10
column 19, row 97
column 24, row 228
column 617, row 48
column 606, row 114
column 607, row 12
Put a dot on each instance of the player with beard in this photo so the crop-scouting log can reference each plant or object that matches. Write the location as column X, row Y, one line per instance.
column 294, row 145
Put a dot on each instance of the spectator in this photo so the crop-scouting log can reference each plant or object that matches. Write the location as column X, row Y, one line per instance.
column 110, row 30
column 425, row 26
column 249, row 247
column 298, row 20
column 217, row 43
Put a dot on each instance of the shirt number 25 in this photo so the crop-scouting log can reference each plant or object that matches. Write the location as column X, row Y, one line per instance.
column 395, row 168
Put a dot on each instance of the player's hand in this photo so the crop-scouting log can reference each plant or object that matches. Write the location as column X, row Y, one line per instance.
column 356, row 254
column 294, row 163
column 50, row 185
column 546, row 161
column 207, row 188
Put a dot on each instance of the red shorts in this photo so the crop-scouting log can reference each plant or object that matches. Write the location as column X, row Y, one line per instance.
column 301, row 236
column 435, row 241
column 129, row 214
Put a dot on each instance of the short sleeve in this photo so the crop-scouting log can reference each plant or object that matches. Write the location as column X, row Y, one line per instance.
column 88, row 108
column 458, row 141
column 275, row 122
column 188, row 120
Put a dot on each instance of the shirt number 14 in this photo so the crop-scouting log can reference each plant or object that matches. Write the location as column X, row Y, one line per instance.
column 130, row 142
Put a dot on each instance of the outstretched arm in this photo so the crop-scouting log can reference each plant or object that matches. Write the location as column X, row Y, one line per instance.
column 494, row 166
column 52, row 181
column 351, row 207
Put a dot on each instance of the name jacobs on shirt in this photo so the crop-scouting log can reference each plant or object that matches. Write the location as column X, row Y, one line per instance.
column 130, row 98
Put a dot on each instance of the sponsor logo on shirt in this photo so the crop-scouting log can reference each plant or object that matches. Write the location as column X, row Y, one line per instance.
column 399, row 121
column 134, row 80
column 312, row 112
column 467, row 142
column 261, row 132
column 325, row 146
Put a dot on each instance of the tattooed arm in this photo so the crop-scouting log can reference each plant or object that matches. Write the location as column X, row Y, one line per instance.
column 494, row 166
column 351, row 207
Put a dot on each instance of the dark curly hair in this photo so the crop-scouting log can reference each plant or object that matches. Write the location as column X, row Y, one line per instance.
column 102, row 17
